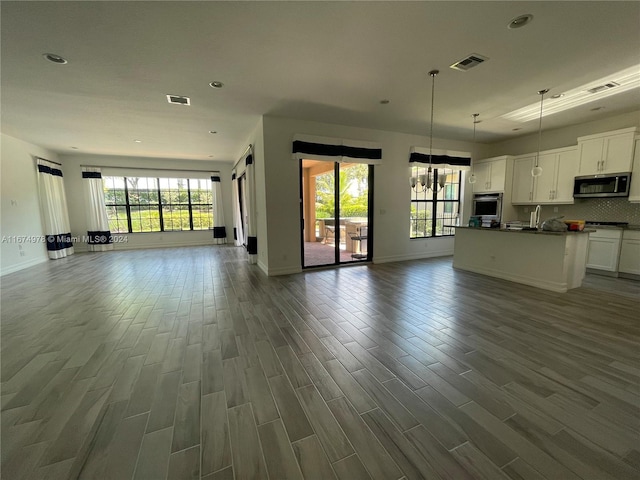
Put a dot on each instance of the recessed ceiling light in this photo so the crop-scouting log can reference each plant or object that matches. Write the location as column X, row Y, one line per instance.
column 216, row 84
column 595, row 109
column 557, row 95
column 617, row 82
column 138, row 141
column 210, row 156
column 74, row 148
column 52, row 57
column 520, row 21
column 384, row 102
column 212, row 132
column 515, row 129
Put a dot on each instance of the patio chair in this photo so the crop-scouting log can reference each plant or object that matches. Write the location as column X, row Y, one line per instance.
column 359, row 237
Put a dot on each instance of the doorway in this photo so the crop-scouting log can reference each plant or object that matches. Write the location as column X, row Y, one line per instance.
column 335, row 209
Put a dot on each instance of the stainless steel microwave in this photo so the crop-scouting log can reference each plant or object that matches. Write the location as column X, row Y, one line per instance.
column 607, row 185
column 488, row 206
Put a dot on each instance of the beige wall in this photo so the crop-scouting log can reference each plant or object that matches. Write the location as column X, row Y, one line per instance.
column 391, row 192
column 20, row 208
column 563, row 137
column 72, row 167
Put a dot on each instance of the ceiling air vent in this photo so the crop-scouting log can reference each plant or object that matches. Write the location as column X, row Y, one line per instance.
column 178, row 100
column 606, row 86
column 471, row 61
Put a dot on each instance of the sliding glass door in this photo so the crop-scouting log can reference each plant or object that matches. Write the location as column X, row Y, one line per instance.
column 335, row 211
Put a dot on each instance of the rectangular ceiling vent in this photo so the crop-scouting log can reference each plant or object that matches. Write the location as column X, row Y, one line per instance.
column 178, row 100
column 471, row 61
column 606, row 86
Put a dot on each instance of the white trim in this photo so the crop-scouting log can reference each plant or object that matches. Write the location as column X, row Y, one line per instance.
column 414, row 256
column 22, row 266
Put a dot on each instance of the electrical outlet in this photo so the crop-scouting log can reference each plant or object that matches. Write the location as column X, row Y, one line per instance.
column 22, row 253
column 14, row 203
column 555, row 209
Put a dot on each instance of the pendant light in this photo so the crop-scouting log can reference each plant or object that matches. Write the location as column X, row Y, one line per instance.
column 472, row 177
column 536, row 171
column 422, row 183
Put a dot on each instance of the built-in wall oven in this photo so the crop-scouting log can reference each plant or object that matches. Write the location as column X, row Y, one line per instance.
column 488, row 206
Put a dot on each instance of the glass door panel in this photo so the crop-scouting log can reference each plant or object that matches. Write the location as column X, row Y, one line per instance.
column 354, row 212
column 318, row 213
column 335, row 206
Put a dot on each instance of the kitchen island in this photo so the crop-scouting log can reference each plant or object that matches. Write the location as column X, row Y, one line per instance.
column 553, row 261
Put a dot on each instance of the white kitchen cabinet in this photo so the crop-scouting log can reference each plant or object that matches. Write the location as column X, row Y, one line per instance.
column 634, row 189
column 553, row 186
column 522, row 187
column 604, row 249
column 610, row 152
column 630, row 252
column 490, row 174
column 557, row 186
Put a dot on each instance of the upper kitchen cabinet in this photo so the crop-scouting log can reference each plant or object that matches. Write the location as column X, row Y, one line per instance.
column 490, row 174
column 522, row 188
column 554, row 185
column 634, row 189
column 610, row 152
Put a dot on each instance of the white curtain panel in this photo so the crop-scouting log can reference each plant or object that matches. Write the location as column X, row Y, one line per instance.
column 53, row 204
column 252, row 234
column 238, row 231
column 219, row 228
column 98, row 233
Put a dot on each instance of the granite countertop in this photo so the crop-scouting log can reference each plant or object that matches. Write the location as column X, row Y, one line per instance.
column 535, row 232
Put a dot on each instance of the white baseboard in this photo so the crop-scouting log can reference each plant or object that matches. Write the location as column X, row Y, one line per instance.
column 273, row 272
column 413, row 256
column 23, row 265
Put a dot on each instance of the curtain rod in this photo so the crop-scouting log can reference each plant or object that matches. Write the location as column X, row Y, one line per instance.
column 50, row 161
column 153, row 169
column 250, row 147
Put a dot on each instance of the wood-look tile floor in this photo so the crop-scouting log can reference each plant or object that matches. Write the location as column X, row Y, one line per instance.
column 189, row 363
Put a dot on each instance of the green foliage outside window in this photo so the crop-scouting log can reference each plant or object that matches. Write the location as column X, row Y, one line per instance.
column 353, row 191
column 158, row 204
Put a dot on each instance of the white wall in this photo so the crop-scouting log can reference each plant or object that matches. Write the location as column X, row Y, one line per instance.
column 563, row 137
column 391, row 192
column 72, row 169
column 20, row 208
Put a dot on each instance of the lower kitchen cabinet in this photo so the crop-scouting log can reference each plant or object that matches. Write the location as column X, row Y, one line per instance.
column 630, row 252
column 604, row 249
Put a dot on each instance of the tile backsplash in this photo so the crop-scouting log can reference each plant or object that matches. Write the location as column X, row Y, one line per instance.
column 594, row 209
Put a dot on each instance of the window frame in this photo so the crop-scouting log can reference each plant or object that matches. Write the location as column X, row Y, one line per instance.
column 435, row 202
column 127, row 205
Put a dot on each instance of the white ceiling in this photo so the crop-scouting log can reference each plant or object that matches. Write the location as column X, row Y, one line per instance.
column 325, row 61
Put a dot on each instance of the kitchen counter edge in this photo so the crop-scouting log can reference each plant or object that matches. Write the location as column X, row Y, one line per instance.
column 536, row 232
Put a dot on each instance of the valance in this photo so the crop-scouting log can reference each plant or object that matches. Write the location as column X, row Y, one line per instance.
column 330, row 149
column 441, row 158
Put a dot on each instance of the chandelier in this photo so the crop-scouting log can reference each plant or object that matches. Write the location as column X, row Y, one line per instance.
column 424, row 182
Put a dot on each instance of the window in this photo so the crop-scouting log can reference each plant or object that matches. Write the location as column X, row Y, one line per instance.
column 148, row 204
column 432, row 212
